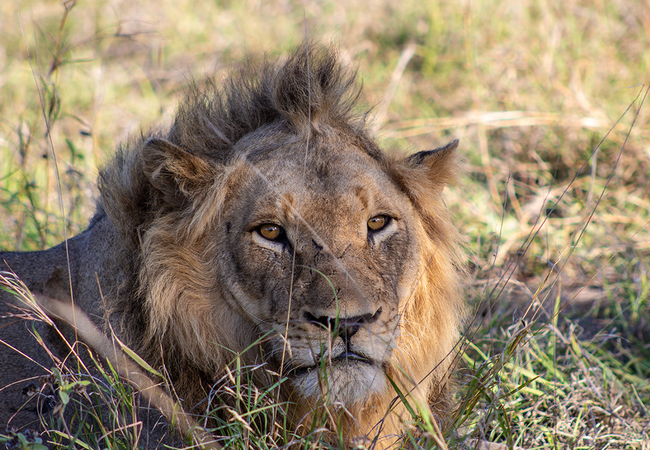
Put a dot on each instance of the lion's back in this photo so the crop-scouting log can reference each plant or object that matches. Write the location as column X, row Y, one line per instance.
column 30, row 349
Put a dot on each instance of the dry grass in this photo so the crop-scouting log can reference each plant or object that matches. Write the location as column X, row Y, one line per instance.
column 546, row 98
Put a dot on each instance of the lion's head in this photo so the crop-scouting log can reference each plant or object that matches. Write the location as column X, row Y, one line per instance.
column 267, row 219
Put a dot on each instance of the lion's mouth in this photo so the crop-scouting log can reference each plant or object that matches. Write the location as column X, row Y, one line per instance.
column 345, row 358
column 351, row 356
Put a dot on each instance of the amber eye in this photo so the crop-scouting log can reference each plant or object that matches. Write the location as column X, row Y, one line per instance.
column 377, row 223
column 270, row 231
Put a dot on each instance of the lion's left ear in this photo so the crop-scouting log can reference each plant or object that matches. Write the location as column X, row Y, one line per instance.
column 425, row 173
column 441, row 163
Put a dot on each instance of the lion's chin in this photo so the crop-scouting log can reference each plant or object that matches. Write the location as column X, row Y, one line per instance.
column 344, row 383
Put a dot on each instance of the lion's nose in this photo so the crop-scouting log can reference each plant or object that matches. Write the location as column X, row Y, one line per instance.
column 344, row 327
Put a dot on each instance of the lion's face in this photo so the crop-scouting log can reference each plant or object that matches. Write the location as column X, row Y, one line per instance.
column 319, row 255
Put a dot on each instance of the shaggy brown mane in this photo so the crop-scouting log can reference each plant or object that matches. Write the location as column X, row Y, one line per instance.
column 308, row 88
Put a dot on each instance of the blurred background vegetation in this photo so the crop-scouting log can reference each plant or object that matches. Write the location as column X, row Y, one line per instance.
column 546, row 98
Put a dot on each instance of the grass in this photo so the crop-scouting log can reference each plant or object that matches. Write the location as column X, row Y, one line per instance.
column 547, row 100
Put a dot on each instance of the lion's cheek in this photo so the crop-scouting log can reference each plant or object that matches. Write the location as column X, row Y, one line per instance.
column 252, row 288
column 258, row 280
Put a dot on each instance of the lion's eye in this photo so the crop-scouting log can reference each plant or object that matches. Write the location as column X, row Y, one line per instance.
column 378, row 222
column 271, row 231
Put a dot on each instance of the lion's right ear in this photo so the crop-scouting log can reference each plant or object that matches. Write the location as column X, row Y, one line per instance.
column 175, row 171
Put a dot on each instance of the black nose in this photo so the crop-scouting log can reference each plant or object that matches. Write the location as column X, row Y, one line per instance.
column 343, row 327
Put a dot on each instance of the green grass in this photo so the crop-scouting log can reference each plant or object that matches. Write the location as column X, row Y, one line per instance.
column 558, row 353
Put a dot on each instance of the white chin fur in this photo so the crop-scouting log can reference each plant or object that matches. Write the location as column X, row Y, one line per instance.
column 344, row 384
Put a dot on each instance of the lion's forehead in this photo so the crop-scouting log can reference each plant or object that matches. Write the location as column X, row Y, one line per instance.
column 333, row 165
column 301, row 189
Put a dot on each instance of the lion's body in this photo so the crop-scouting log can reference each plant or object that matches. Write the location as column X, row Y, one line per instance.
column 189, row 275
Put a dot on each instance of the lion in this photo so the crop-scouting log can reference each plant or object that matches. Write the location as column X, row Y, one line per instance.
column 266, row 222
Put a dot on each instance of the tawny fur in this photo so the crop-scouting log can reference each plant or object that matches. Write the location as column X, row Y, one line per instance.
column 186, row 291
